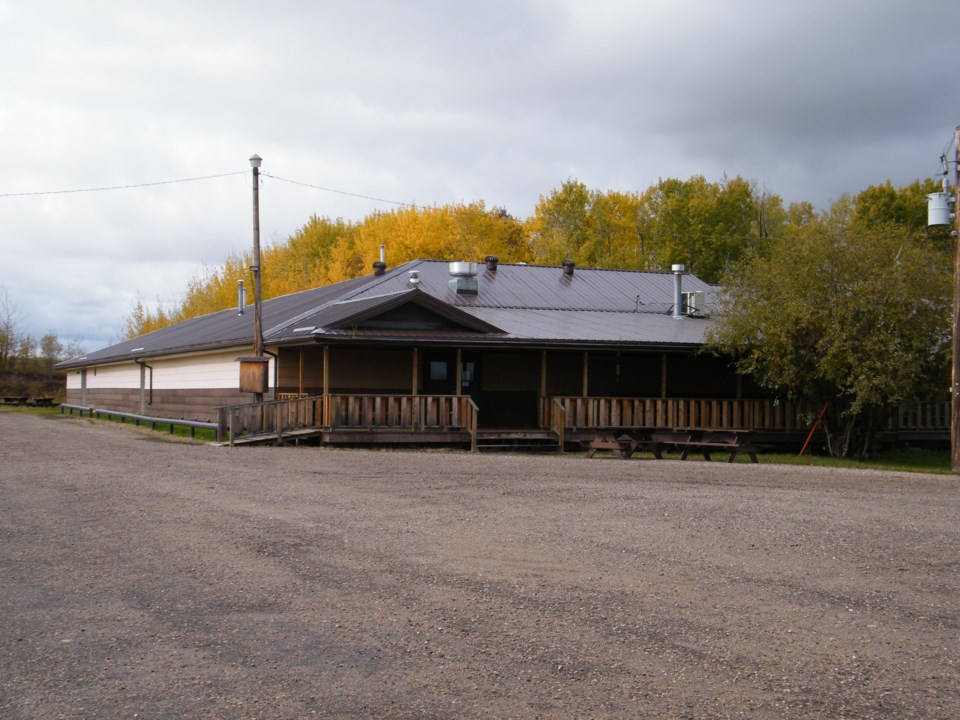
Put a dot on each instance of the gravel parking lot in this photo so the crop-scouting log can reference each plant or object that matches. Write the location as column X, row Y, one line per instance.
column 147, row 578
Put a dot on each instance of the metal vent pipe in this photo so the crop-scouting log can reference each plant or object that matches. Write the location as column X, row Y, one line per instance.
column 678, row 270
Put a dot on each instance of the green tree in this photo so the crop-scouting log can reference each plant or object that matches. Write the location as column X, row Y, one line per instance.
column 560, row 225
column 708, row 226
column 51, row 352
column 845, row 312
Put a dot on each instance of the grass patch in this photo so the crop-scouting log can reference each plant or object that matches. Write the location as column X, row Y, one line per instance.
column 179, row 431
column 899, row 459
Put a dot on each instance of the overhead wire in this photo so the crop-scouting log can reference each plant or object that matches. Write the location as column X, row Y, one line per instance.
column 341, row 192
column 123, row 187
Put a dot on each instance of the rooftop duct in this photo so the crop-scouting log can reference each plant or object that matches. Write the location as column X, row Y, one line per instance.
column 492, row 261
column 568, row 266
column 678, row 270
column 463, row 278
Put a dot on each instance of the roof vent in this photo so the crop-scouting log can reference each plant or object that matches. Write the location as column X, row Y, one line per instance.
column 678, row 270
column 414, row 277
column 463, row 278
column 379, row 268
column 492, row 261
column 568, row 266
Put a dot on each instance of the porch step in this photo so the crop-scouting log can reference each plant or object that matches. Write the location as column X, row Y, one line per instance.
column 518, row 440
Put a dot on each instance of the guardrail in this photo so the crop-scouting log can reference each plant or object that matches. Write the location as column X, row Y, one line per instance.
column 151, row 420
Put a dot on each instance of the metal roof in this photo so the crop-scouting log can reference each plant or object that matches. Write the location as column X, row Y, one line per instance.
column 513, row 304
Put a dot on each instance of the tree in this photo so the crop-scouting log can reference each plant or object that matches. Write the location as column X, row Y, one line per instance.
column 11, row 322
column 851, row 313
column 708, row 226
column 51, row 352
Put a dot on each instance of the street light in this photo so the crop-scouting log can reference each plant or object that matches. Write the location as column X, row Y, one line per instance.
column 255, row 267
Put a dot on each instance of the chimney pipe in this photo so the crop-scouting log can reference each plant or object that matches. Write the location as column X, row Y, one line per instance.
column 383, row 253
column 492, row 261
column 568, row 266
column 678, row 270
column 241, row 297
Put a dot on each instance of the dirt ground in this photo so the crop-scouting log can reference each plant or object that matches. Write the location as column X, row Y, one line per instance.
column 146, row 578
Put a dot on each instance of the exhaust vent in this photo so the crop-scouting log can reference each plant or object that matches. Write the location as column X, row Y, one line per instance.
column 492, row 261
column 463, row 278
column 568, row 266
column 678, row 270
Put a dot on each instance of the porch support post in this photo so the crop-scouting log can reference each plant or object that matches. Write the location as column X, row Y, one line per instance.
column 415, row 387
column 663, row 376
column 327, row 420
column 459, row 372
column 414, row 381
column 326, row 370
column 544, row 403
column 300, row 375
column 586, row 373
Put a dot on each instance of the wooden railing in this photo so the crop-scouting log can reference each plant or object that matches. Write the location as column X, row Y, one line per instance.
column 922, row 416
column 416, row 413
column 605, row 412
column 273, row 417
column 609, row 412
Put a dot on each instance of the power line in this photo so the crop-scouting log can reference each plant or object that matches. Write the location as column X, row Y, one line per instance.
column 342, row 192
column 122, row 187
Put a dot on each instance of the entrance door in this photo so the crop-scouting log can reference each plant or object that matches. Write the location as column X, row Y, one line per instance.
column 439, row 373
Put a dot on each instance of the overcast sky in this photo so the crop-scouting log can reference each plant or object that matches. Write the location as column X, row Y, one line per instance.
column 429, row 102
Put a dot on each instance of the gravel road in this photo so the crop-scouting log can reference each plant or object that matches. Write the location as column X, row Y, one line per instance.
column 146, row 578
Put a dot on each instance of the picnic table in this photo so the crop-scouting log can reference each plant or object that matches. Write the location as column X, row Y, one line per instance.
column 624, row 442
column 43, row 402
column 15, row 400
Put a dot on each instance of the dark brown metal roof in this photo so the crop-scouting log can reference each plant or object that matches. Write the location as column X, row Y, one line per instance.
column 514, row 304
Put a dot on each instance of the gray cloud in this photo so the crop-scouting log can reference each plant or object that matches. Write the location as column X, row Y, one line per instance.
column 427, row 102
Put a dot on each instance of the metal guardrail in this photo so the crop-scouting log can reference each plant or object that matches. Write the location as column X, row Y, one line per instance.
column 151, row 420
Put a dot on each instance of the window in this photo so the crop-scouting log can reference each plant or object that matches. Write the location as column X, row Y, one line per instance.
column 438, row 370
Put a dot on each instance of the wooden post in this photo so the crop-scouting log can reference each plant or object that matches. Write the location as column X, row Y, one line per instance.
column 327, row 404
column 544, row 407
column 955, row 384
column 300, row 378
column 459, row 372
column 663, row 376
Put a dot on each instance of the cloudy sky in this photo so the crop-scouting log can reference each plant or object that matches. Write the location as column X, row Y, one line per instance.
column 427, row 102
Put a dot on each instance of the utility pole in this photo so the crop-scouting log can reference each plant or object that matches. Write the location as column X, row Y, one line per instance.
column 955, row 378
column 255, row 267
